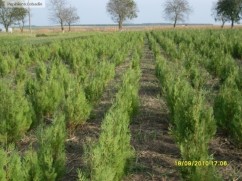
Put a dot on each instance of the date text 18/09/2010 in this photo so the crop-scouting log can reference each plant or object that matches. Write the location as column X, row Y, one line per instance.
column 200, row 163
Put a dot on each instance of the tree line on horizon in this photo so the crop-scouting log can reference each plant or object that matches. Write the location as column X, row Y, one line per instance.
column 120, row 10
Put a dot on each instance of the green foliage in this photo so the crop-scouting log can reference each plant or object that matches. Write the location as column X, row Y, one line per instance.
column 4, row 67
column 24, row 58
column 77, row 109
column 69, row 76
column 3, row 161
column 14, row 167
column 108, row 157
column 237, row 50
column 118, row 58
column 32, row 169
column 230, row 9
column 21, row 75
column 11, row 165
column 76, row 76
column 198, row 76
column 228, row 110
column 48, row 163
column 47, row 92
column 7, row 63
column 192, row 123
column 96, row 83
column 82, row 176
column 15, row 113
column 223, row 66
column 51, row 153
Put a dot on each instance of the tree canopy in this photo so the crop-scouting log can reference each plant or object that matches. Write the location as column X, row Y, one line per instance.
column 9, row 16
column 229, row 9
column 20, row 15
column 219, row 17
column 177, row 10
column 121, row 10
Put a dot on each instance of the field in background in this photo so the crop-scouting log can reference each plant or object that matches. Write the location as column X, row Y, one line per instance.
column 112, row 28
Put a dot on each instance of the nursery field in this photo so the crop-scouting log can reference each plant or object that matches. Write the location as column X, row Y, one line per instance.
column 148, row 105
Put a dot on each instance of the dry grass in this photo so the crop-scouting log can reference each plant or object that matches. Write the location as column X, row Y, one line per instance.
column 56, row 29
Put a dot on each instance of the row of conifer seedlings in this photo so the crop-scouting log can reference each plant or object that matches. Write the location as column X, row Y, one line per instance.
column 219, row 56
column 14, row 60
column 52, row 86
column 216, row 57
column 192, row 122
column 109, row 157
column 56, row 99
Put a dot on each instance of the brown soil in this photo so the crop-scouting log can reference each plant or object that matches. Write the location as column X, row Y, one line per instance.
column 156, row 151
column 223, row 149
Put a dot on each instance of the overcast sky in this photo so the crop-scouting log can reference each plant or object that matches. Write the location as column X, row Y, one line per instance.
column 150, row 11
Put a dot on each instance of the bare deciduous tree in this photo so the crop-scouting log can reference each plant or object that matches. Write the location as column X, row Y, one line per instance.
column 58, row 12
column 62, row 14
column 177, row 10
column 72, row 16
column 121, row 10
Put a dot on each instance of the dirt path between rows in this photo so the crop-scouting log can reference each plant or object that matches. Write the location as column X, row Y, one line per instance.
column 222, row 149
column 156, row 151
column 91, row 129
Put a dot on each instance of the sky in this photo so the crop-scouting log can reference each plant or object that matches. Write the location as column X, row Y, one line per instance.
column 150, row 11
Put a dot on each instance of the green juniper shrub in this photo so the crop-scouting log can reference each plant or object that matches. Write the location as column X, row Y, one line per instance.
column 15, row 113
column 108, row 158
column 51, row 152
column 228, row 109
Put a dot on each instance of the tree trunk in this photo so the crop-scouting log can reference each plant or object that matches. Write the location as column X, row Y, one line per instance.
column 6, row 27
column 120, row 25
column 222, row 26
column 174, row 25
column 232, row 24
column 30, row 29
column 69, row 24
column 62, row 27
column 21, row 27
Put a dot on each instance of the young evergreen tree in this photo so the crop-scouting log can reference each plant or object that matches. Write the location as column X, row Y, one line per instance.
column 51, row 153
column 15, row 113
